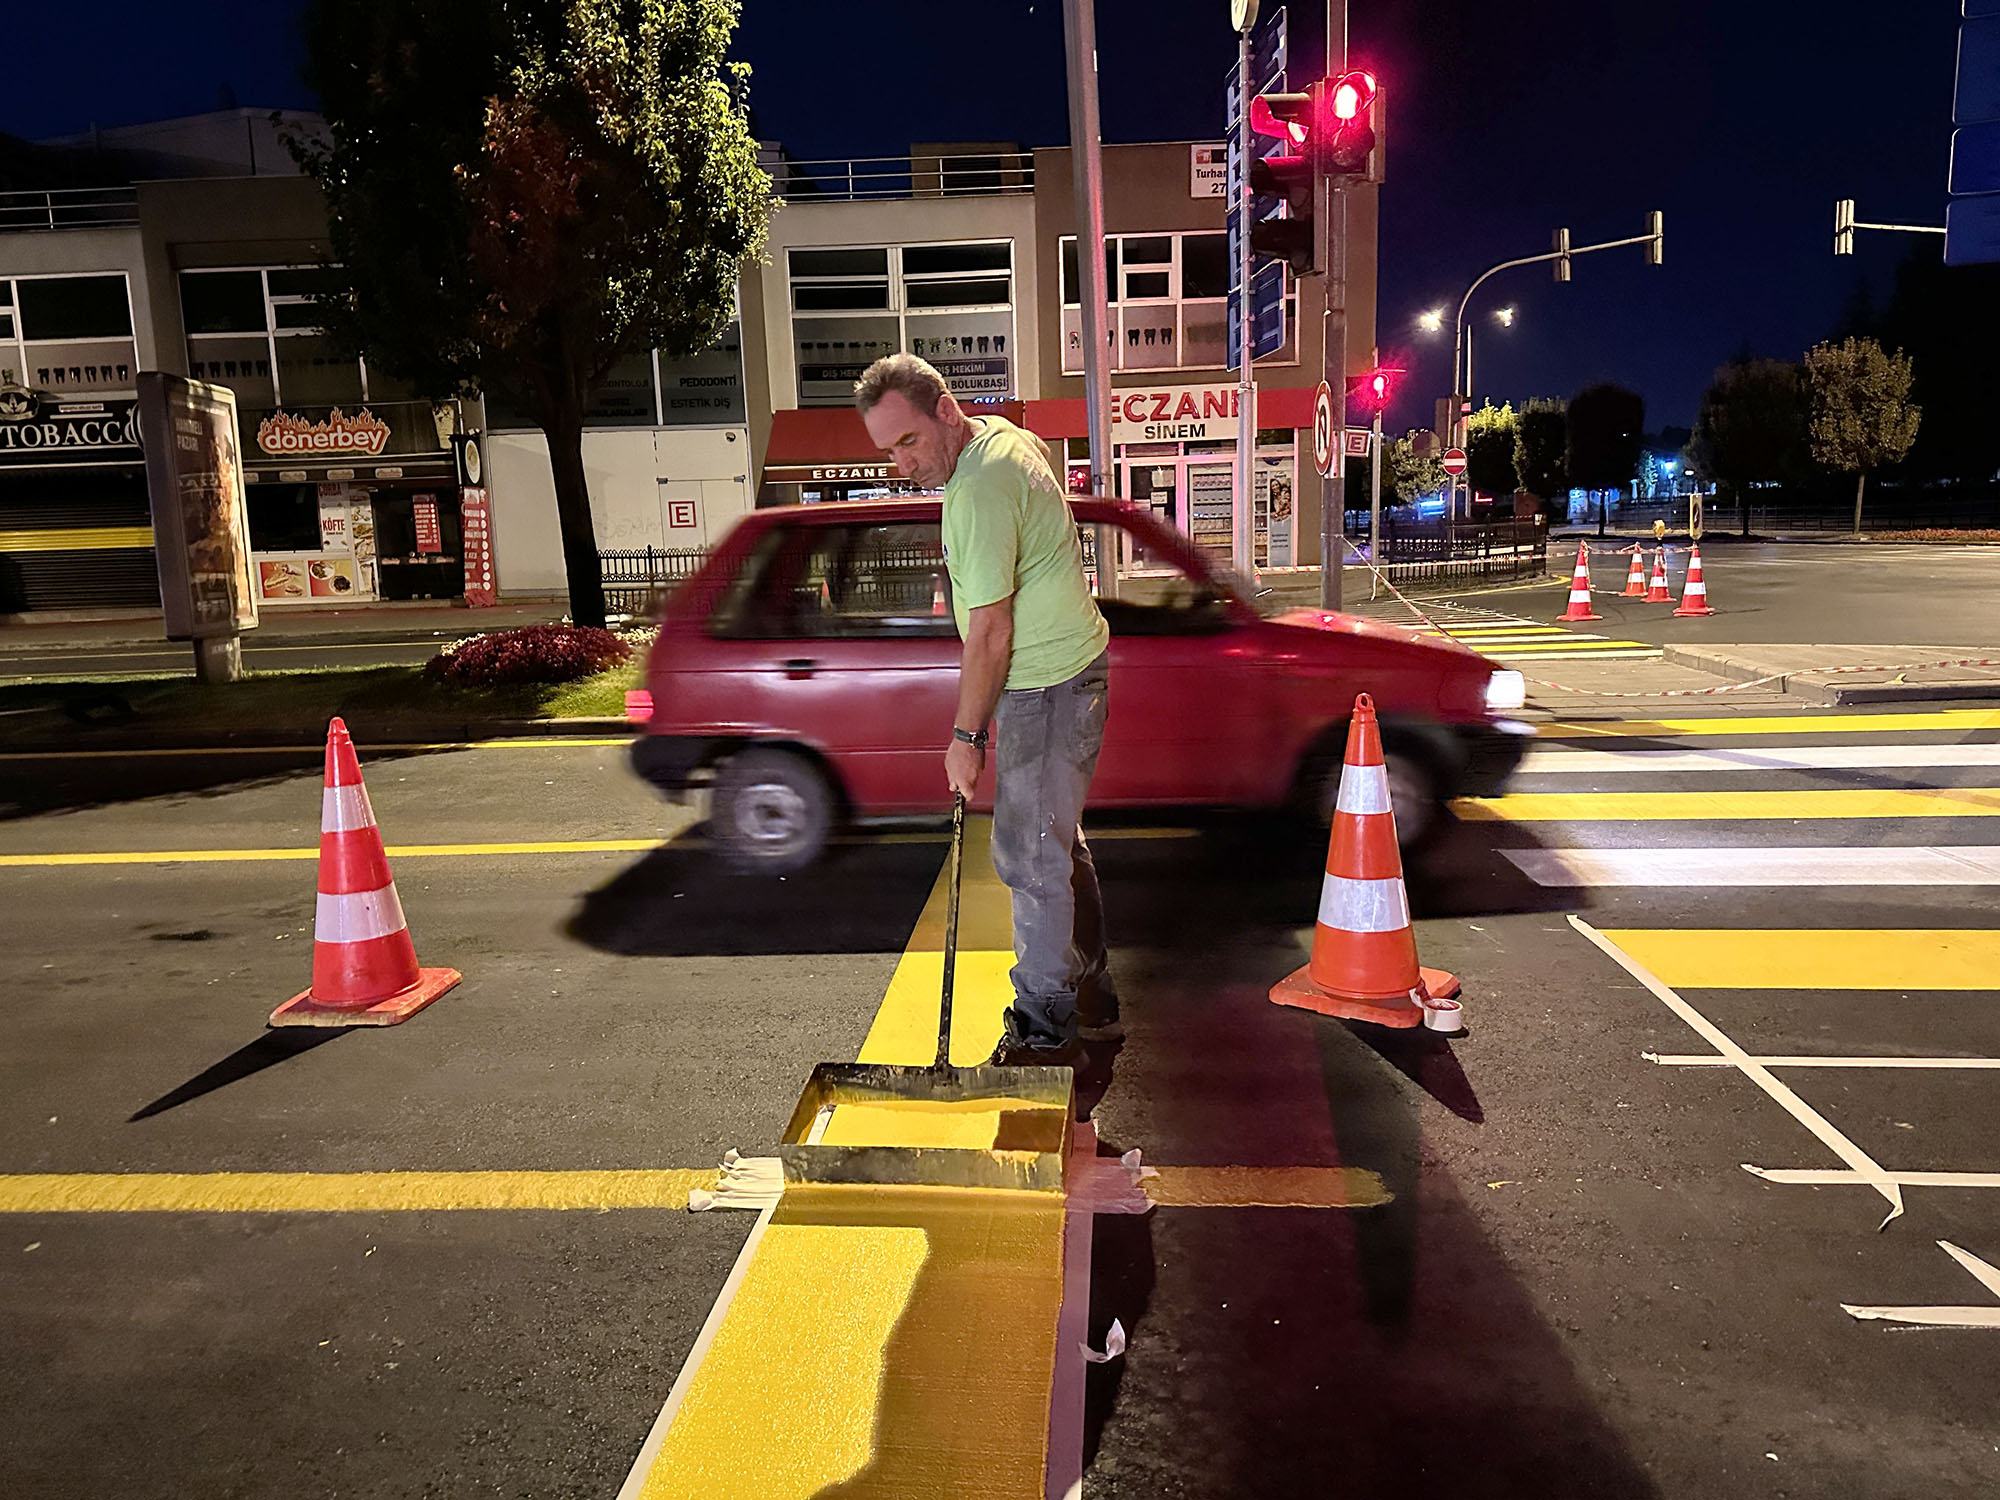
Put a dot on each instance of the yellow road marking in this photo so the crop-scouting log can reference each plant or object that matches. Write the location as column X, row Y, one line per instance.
column 1266, row 1187
column 1892, row 958
column 395, row 851
column 1828, row 723
column 1646, row 807
column 343, row 1192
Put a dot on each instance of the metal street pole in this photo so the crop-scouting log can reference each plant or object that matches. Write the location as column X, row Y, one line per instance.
column 1330, row 217
column 1087, row 176
column 1375, row 506
column 1242, row 533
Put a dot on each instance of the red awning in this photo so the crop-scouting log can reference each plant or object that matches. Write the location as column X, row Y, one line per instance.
column 835, row 435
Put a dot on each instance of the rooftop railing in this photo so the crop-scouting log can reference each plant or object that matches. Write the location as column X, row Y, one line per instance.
column 854, row 179
column 69, row 208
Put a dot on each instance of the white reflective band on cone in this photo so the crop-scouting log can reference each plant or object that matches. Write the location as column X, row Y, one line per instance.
column 1363, row 905
column 357, row 917
column 342, row 809
column 1363, row 789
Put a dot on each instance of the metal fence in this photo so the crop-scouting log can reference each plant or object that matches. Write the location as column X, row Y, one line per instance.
column 1509, row 547
column 69, row 208
column 849, row 179
column 635, row 583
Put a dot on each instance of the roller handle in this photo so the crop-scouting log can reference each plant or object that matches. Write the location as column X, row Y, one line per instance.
column 951, row 930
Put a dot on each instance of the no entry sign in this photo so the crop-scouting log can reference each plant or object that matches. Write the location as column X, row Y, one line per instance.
column 1453, row 460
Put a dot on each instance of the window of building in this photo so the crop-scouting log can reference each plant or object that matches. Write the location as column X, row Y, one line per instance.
column 656, row 390
column 256, row 329
column 68, row 334
column 1169, row 296
column 951, row 303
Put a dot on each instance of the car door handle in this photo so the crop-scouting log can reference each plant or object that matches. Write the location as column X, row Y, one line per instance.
column 800, row 666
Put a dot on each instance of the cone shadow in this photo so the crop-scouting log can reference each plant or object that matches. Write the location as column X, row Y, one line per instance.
column 267, row 1051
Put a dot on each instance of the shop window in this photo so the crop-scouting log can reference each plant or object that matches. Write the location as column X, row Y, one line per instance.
column 856, row 263
column 941, row 260
column 959, row 293
column 283, row 517
column 74, row 307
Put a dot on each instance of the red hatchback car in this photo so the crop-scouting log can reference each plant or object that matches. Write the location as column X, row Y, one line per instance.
column 808, row 675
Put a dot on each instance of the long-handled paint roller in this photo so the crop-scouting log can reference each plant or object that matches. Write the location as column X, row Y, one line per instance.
column 905, row 1123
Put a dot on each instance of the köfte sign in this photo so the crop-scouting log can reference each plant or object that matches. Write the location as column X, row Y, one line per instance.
column 1182, row 413
column 35, row 430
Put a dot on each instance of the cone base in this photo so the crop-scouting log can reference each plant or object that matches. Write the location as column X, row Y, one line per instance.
column 1298, row 990
column 303, row 1010
column 1704, row 610
column 1659, row 596
column 1572, row 617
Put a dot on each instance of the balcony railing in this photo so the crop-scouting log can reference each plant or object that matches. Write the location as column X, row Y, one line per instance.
column 854, row 179
column 69, row 208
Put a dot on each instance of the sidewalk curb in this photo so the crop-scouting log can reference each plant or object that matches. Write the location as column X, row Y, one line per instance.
column 376, row 732
column 1815, row 688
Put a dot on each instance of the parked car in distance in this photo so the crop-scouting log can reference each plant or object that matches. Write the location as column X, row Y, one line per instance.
column 807, row 676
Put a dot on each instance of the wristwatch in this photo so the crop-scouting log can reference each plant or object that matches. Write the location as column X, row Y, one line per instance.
column 969, row 737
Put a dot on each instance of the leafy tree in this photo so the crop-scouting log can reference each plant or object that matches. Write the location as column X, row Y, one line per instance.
column 1606, row 426
column 1489, row 450
column 1540, row 446
column 519, row 196
column 1862, row 416
column 1751, row 428
column 1411, row 475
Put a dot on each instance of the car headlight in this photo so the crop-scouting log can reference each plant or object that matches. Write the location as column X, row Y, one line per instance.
column 1505, row 690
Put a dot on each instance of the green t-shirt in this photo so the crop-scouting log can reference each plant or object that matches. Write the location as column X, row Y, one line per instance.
column 1008, row 530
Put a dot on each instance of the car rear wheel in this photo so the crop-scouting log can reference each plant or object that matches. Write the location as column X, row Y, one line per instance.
column 1414, row 795
column 771, row 812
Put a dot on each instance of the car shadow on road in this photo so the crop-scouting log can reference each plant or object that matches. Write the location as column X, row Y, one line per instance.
column 680, row 901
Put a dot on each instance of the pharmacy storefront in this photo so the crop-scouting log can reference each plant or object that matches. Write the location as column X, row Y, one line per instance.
column 351, row 505
column 1175, row 451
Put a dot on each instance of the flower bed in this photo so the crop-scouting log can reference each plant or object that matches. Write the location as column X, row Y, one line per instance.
column 535, row 653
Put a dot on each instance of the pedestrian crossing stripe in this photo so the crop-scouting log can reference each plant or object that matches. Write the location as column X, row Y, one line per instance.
column 1895, row 865
column 1551, row 759
column 1901, row 959
column 1523, row 638
column 1831, row 722
column 1650, row 807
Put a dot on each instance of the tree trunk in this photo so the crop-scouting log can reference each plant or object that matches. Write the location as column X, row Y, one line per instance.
column 1860, row 482
column 1743, row 504
column 579, row 532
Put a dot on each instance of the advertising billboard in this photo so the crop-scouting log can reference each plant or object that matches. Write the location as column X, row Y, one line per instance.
column 194, row 482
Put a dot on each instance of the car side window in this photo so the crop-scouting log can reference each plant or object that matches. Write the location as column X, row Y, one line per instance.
column 884, row 581
column 1157, row 596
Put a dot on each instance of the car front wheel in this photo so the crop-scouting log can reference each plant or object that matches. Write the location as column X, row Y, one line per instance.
column 771, row 812
column 1414, row 796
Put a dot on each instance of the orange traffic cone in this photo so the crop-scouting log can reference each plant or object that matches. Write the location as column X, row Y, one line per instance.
column 1657, row 593
column 1694, row 596
column 938, row 605
column 1364, row 952
column 1635, row 581
column 1579, row 590
column 364, row 966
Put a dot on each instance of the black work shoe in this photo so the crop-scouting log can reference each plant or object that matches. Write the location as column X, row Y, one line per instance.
column 1035, row 1053
column 1100, row 1028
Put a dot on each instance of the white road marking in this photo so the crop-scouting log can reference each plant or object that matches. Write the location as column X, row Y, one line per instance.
column 1943, row 1317
column 1926, row 865
column 1544, row 760
column 1864, row 1166
column 1704, row 1060
column 1873, row 1177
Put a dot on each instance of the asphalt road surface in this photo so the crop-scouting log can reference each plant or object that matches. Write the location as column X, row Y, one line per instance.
column 1785, row 959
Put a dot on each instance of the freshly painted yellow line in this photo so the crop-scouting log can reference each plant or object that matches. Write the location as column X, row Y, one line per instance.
column 1831, row 722
column 1647, row 807
column 883, row 1341
column 1893, row 958
column 887, row 1341
column 252, row 856
column 342, row 1192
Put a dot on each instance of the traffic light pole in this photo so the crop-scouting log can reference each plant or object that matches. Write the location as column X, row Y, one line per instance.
column 1243, row 533
column 1375, row 502
column 1330, row 255
column 1654, row 240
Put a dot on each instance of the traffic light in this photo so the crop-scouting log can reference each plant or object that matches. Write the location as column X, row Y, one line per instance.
column 1843, row 227
column 1287, row 173
column 1347, row 125
column 1656, row 247
column 1372, row 391
column 1562, row 255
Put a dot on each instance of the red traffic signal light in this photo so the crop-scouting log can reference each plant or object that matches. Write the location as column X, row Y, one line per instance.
column 1373, row 390
column 1351, row 96
column 1288, row 173
column 1347, row 138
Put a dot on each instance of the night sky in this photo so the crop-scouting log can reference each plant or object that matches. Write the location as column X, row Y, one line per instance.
column 1742, row 119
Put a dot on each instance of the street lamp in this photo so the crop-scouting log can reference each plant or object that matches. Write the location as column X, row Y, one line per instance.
column 1432, row 321
column 1504, row 316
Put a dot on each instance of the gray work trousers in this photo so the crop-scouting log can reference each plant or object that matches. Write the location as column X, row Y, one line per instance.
column 1048, row 742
